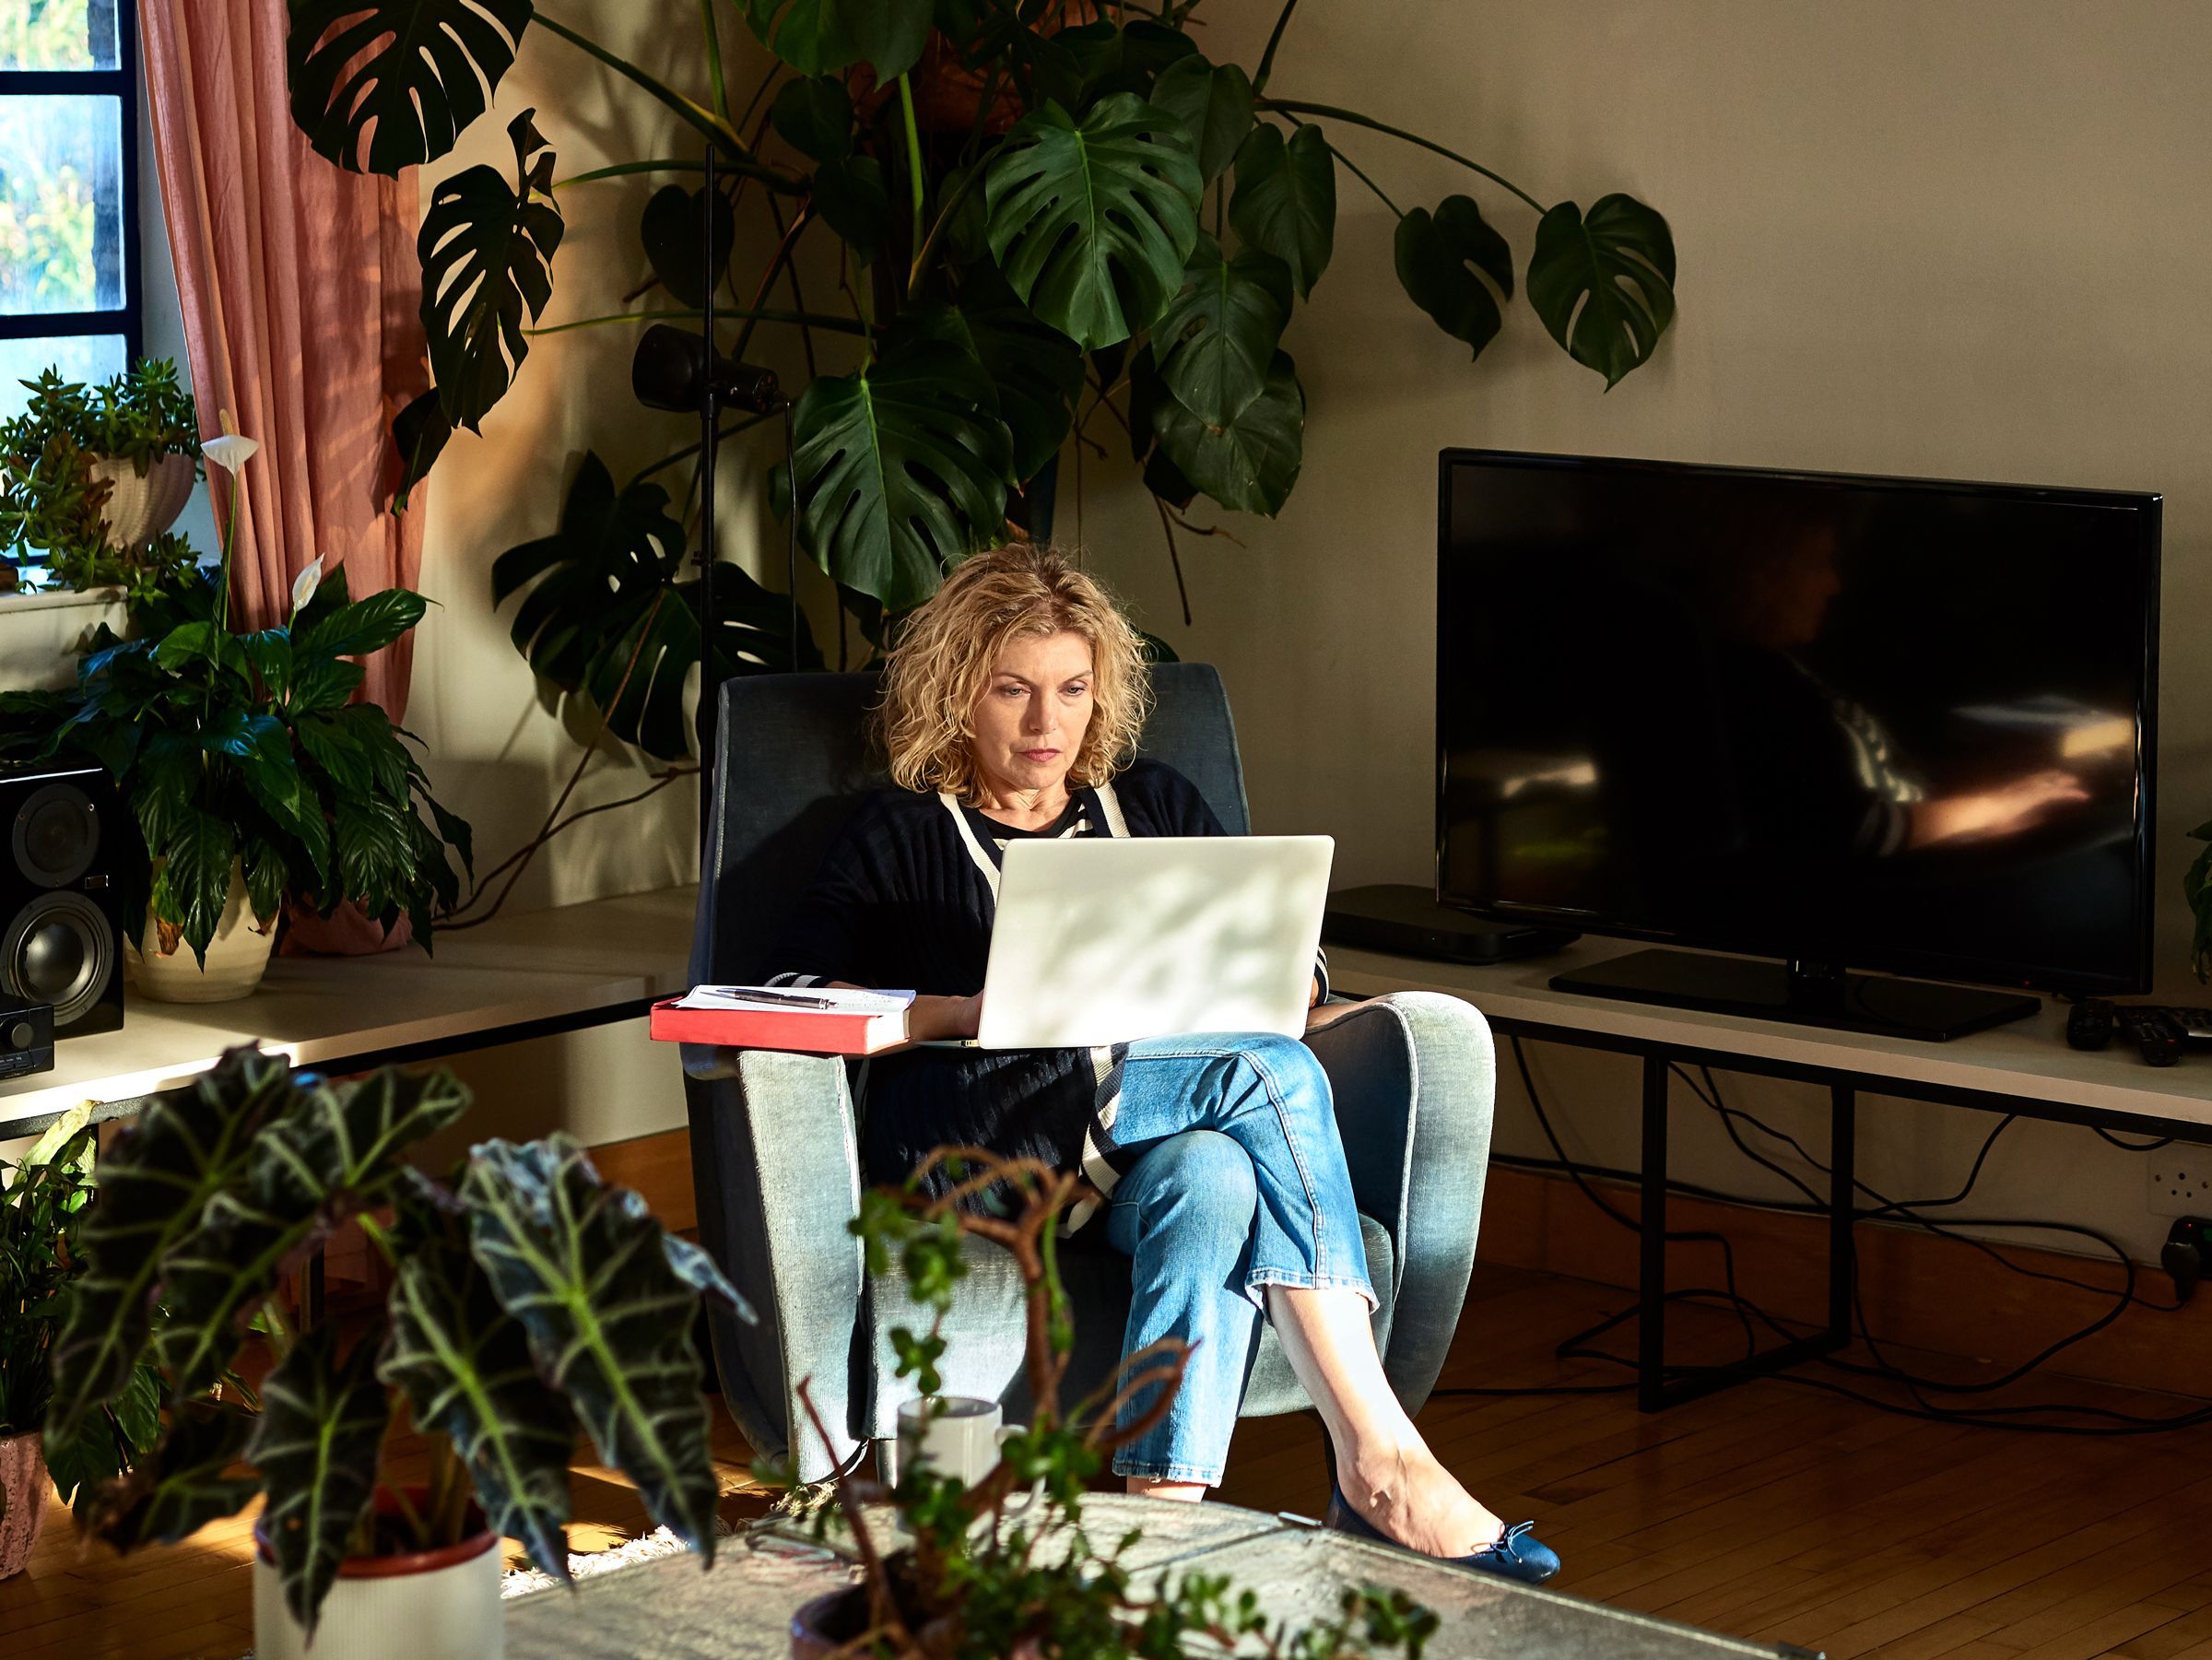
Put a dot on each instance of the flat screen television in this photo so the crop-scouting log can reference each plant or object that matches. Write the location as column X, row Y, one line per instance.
column 1894, row 723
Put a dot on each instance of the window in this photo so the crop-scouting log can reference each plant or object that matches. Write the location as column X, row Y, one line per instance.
column 69, row 279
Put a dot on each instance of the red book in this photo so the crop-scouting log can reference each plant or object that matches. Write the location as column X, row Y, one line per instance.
column 735, row 1017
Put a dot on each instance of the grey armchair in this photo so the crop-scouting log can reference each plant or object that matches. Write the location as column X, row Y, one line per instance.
column 775, row 1155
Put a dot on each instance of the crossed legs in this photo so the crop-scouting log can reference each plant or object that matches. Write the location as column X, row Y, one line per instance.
column 1235, row 1200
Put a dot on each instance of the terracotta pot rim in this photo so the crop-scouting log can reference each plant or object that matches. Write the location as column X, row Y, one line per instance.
column 402, row 1564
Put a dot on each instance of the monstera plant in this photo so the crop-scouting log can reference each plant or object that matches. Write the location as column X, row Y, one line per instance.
column 527, row 1297
column 1035, row 210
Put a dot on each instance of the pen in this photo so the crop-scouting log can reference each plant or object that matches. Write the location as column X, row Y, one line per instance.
column 792, row 998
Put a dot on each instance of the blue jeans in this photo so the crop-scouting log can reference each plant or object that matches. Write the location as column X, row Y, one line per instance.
column 1241, row 1184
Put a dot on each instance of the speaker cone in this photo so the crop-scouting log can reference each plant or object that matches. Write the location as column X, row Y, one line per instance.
column 56, row 835
column 57, row 950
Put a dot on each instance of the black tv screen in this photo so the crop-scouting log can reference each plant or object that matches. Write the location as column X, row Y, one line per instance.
column 1895, row 723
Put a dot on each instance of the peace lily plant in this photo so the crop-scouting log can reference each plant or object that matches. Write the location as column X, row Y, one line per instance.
column 991, row 229
column 250, row 776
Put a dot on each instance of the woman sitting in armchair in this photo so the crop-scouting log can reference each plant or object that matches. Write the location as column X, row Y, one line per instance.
column 1012, row 707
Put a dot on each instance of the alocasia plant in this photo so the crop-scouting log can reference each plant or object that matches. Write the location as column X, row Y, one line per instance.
column 528, row 1298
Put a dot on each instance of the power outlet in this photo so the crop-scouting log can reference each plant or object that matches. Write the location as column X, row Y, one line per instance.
column 2179, row 1181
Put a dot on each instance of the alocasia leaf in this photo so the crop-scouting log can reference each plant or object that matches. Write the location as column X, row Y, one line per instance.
column 321, row 1429
column 586, row 1270
column 463, row 1364
column 1604, row 283
column 1091, row 220
column 334, row 1148
column 185, row 1484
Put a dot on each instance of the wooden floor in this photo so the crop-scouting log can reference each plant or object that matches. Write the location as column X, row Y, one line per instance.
column 1771, row 1512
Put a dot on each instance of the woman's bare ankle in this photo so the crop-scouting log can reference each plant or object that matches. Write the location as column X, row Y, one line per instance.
column 1182, row 1492
column 1401, row 1488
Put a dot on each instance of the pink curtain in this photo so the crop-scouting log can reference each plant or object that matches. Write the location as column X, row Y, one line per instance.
column 300, row 290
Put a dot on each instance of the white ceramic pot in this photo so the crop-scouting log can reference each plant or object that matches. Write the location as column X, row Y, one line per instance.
column 141, row 508
column 166, row 970
column 22, row 1499
column 435, row 1605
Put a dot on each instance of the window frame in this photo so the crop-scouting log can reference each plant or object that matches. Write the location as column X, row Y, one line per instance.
column 122, row 84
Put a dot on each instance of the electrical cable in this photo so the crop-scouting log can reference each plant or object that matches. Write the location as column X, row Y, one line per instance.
column 2113, row 1422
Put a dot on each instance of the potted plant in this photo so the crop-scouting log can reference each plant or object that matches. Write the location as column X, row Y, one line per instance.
column 973, row 1585
column 42, row 1200
column 248, row 773
column 91, row 479
column 527, row 1297
column 1034, row 214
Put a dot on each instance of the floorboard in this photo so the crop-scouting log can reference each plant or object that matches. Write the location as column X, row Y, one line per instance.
column 1771, row 1512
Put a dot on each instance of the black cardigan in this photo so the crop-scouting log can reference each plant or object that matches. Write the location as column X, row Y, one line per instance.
column 901, row 900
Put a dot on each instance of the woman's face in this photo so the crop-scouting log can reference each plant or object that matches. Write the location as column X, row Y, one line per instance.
column 1032, row 714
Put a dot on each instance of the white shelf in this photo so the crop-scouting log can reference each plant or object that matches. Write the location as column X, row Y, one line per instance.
column 563, row 965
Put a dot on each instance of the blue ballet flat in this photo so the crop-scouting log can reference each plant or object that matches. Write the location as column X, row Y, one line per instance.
column 1514, row 1555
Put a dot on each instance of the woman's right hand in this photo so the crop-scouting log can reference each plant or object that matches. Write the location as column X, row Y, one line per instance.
column 935, row 1019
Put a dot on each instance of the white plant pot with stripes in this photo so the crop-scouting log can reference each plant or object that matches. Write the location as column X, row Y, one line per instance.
column 434, row 1604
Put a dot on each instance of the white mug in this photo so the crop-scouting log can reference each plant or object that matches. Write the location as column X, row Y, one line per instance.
column 957, row 1435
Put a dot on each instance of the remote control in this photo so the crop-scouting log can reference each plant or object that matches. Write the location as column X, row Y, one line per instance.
column 2153, row 1030
column 2089, row 1025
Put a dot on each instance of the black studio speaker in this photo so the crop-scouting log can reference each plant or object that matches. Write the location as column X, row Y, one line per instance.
column 62, row 939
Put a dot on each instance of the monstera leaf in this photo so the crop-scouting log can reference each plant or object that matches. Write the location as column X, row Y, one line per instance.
column 1603, row 284
column 463, row 1364
column 1286, row 201
column 607, row 1309
column 1456, row 268
column 673, row 235
column 815, row 117
column 1250, row 463
column 332, row 1150
column 815, row 36
column 1215, row 341
column 321, row 1426
column 1214, row 104
column 610, row 617
column 416, row 70
column 1035, row 371
column 184, row 1485
column 419, row 432
column 903, row 468
column 187, row 1147
column 486, row 251
column 1091, row 221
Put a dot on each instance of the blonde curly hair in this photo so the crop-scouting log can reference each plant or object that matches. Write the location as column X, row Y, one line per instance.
column 942, row 663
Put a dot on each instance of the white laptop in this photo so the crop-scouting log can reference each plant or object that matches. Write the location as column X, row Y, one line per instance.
column 1108, row 939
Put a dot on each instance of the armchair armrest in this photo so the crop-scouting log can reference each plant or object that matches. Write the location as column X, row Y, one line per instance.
column 777, row 1171
column 1415, row 1079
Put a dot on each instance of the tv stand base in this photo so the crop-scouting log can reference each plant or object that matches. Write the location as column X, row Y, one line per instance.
column 1804, row 994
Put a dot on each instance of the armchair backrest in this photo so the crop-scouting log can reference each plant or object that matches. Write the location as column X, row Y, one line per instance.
column 793, row 757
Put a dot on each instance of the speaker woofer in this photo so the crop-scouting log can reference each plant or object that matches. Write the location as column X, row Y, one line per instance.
column 56, row 835
column 58, row 950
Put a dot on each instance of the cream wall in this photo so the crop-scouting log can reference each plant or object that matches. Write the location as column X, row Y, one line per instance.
column 1961, row 238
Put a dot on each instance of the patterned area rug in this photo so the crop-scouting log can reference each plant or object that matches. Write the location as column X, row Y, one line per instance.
column 660, row 1542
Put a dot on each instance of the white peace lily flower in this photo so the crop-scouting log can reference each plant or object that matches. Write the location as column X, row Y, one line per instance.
column 305, row 584
column 229, row 452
